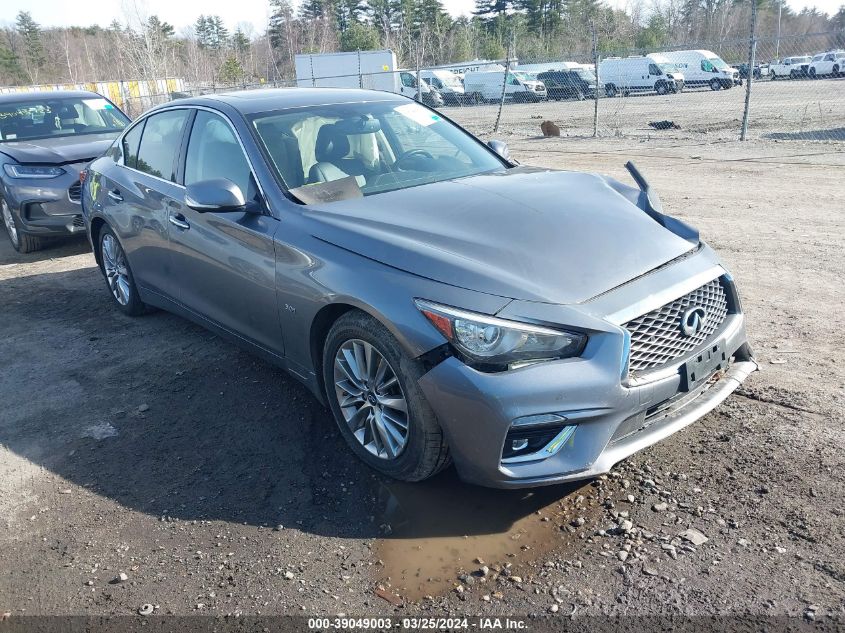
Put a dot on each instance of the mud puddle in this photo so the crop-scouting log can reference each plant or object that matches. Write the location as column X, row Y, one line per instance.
column 438, row 530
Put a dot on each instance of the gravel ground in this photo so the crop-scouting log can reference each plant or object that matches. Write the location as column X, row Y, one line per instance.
column 780, row 110
column 215, row 484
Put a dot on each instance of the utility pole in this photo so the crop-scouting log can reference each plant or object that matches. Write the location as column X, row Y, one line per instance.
column 504, row 86
column 777, row 41
column 752, row 50
column 598, row 83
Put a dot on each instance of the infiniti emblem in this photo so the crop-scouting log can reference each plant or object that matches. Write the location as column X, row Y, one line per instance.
column 692, row 321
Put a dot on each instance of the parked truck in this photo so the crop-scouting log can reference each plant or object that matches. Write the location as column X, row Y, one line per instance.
column 487, row 86
column 375, row 70
column 704, row 68
column 791, row 67
column 450, row 85
column 624, row 75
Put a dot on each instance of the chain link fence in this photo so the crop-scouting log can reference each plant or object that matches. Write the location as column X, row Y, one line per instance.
column 695, row 91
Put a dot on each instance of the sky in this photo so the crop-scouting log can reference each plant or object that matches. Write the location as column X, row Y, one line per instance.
column 251, row 14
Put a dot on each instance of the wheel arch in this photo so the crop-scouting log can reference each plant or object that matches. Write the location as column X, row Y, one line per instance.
column 97, row 224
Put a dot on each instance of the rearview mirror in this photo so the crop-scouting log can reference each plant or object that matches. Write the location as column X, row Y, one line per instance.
column 216, row 194
column 501, row 148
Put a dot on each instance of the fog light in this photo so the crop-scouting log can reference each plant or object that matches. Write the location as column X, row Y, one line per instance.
column 518, row 445
column 543, row 419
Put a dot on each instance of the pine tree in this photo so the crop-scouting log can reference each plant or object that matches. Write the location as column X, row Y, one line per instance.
column 30, row 33
column 281, row 16
column 240, row 42
column 313, row 9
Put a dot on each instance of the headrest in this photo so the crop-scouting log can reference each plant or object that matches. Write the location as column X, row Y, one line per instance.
column 332, row 144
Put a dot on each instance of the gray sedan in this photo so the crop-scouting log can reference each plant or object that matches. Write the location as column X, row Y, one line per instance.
column 448, row 305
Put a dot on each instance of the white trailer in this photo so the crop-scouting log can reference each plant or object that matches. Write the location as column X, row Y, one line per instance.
column 373, row 70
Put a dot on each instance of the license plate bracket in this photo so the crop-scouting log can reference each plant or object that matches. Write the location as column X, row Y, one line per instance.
column 703, row 365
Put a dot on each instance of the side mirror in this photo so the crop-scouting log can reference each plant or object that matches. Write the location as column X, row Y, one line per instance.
column 217, row 194
column 501, row 148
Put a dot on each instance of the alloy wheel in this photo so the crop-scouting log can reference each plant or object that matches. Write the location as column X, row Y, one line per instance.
column 371, row 399
column 9, row 222
column 117, row 271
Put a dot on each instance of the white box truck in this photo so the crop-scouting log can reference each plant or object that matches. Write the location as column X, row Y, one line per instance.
column 704, row 68
column 487, row 86
column 624, row 75
column 374, row 70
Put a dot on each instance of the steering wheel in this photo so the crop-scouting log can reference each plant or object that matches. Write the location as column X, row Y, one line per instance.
column 409, row 154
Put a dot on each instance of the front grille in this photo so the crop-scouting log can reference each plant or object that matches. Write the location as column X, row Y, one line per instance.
column 657, row 337
column 74, row 193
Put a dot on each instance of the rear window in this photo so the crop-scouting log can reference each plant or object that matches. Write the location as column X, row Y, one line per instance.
column 130, row 144
column 160, row 143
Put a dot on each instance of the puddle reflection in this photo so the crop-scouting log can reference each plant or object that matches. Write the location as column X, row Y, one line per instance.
column 436, row 530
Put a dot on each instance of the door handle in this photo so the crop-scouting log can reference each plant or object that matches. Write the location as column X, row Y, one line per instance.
column 114, row 194
column 179, row 221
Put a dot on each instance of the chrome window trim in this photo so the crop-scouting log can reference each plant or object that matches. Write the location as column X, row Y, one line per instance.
column 168, row 108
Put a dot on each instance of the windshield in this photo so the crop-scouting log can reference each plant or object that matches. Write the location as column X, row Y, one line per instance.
column 668, row 68
column 451, row 80
column 384, row 146
column 525, row 76
column 585, row 73
column 718, row 62
column 29, row 119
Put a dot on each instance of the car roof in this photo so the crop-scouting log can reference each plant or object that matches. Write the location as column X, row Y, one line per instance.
column 265, row 99
column 35, row 95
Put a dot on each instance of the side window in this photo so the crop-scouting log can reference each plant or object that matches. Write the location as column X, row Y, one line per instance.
column 214, row 152
column 160, row 144
column 408, row 80
column 828, row 58
column 706, row 66
column 653, row 69
column 130, row 144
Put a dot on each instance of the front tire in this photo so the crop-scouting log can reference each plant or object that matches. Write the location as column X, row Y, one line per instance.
column 661, row 88
column 21, row 242
column 118, row 275
column 371, row 387
column 715, row 85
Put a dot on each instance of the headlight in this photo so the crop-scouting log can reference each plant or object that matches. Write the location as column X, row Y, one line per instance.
column 493, row 341
column 32, row 171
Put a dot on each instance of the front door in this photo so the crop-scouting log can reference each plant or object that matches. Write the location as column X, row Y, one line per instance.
column 225, row 263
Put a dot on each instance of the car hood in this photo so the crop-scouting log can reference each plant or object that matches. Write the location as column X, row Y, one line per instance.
column 59, row 150
column 524, row 233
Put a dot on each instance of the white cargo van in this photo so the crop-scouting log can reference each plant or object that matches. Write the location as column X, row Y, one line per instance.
column 624, row 75
column 447, row 83
column 487, row 86
column 704, row 68
column 375, row 70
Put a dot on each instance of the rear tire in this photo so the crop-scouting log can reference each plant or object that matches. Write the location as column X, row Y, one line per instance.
column 372, row 427
column 610, row 90
column 118, row 275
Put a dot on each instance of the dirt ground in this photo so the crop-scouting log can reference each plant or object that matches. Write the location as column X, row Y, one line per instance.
column 217, row 484
column 782, row 110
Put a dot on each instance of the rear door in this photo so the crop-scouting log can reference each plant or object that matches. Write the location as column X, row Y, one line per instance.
column 224, row 263
column 138, row 193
